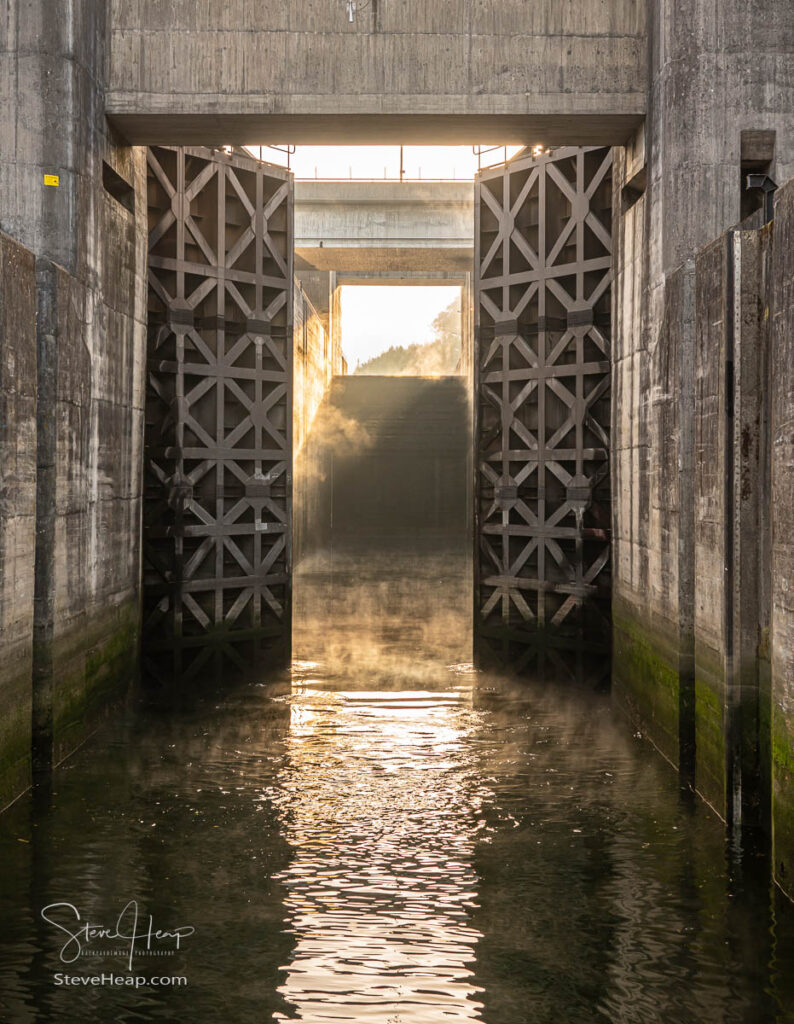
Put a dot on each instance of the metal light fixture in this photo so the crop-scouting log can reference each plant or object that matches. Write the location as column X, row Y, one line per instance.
column 353, row 6
column 768, row 188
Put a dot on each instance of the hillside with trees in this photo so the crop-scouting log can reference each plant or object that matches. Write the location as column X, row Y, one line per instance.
column 436, row 358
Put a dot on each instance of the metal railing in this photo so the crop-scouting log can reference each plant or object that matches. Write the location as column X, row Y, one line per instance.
column 479, row 151
column 289, row 150
column 401, row 175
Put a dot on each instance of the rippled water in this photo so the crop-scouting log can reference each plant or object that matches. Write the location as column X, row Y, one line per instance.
column 407, row 845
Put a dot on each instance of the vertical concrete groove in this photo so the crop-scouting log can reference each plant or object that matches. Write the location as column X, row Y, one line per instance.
column 44, row 559
column 733, row 775
column 686, row 534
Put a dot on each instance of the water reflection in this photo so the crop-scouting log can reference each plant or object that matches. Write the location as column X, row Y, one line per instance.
column 391, row 847
column 381, row 807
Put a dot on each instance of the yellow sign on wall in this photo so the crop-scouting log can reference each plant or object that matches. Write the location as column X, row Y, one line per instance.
column 52, row 179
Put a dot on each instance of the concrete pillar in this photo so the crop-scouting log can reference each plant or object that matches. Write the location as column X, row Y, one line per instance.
column 76, row 199
column 652, row 474
column 17, row 510
column 677, row 187
column 781, row 631
column 731, row 700
column 335, row 324
column 316, row 285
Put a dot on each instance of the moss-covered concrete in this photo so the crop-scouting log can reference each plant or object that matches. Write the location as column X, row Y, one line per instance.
column 94, row 664
column 783, row 798
column 710, row 735
column 93, row 668
column 782, row 536
column 15, row 734
column 645, row 678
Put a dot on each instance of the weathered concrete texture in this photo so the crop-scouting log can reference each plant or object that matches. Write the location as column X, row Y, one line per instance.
column 730, row 512
column 782, row 548
column 98, row 415
column 318, row 358
column 88, row 238
column 715, row 70
column 739, row 723
column 713, row 503
column 317, row 355
column 652, row 555
column 450, row 71
column 709, row 710
column 384, row 226
column 17, row 509
column 317, row 286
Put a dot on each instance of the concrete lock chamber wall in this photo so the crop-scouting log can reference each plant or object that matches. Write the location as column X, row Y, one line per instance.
column 692, row 495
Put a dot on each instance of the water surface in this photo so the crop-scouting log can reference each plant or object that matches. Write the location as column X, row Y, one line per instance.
column 420, row 845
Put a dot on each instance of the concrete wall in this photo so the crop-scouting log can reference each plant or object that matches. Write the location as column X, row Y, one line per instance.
column 317, row 355
column 384, row 226
column 705, row 664
column 255, row 71
column 715, row 70
column 17, row 509
column 317, row 358
column 88, row 245
column 731, row 711
column 89, row 574
column 454, row 71
column 781, row 411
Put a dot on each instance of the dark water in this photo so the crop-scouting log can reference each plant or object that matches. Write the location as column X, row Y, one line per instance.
column 383, row 836
column 386, row 837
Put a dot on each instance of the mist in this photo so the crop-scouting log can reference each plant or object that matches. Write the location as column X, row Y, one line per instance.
column 382, row 576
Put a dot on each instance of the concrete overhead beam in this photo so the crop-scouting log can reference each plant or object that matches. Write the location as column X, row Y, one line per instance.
column 417, row 278
column 152, row 120
column 384, row 226
column 385, row 259
column 447, row 72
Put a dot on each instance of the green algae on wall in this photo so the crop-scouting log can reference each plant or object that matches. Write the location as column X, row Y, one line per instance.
column 94, row 667
column 15, row 759
column 710, row 738
column 783, row 799
column 646, row 681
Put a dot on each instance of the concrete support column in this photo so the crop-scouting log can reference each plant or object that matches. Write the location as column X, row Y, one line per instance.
column 731, row 702
column 52, row 110
column 678, row 186
column 335, row 320
column 781, row 633
column 651, row 468
column 46, row 497
column 76, row 200
column 17, row 510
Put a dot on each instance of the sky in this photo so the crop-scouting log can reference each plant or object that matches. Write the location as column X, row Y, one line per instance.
column 384, row 161
column 376, row 317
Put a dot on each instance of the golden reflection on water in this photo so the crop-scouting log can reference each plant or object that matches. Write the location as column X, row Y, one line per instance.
column 381, row 805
